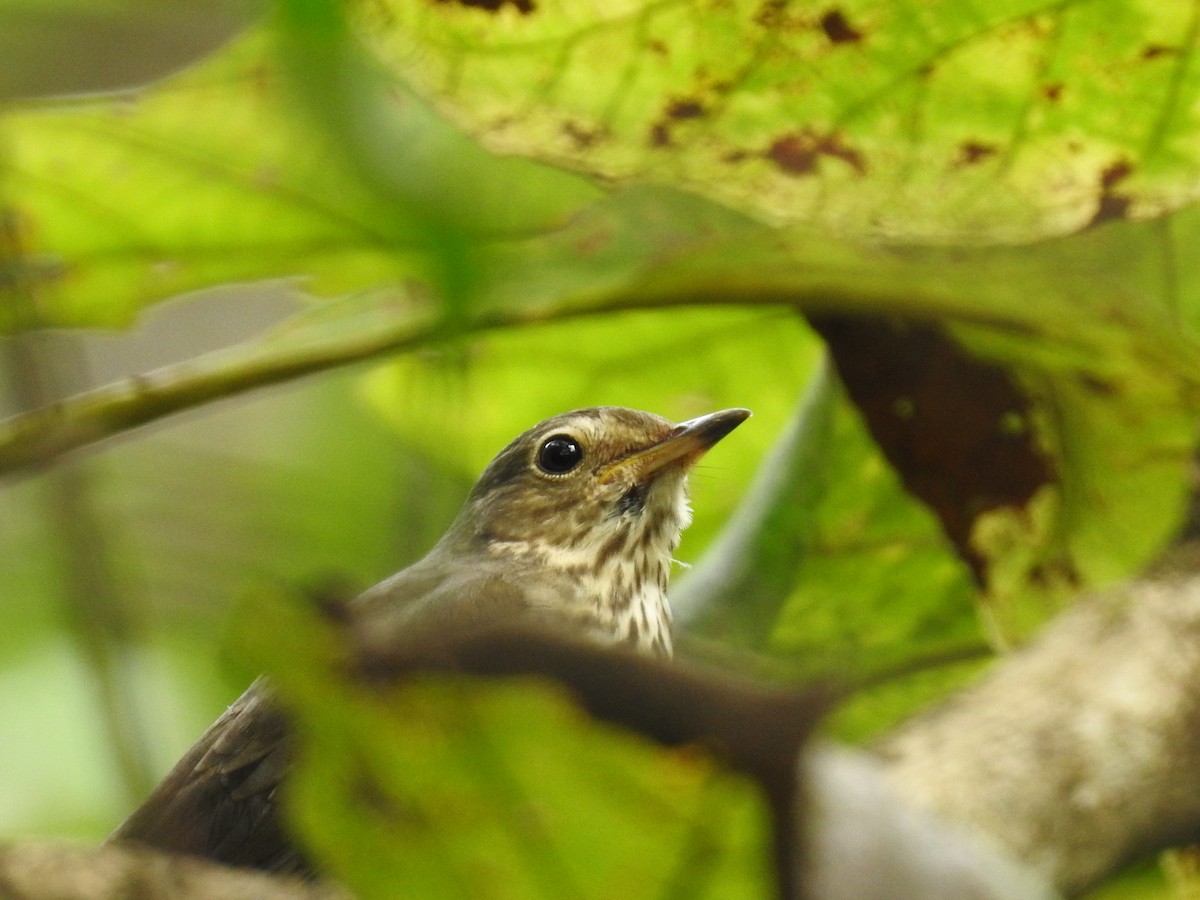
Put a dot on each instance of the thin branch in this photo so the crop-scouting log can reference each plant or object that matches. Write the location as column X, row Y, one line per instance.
column 33, row 438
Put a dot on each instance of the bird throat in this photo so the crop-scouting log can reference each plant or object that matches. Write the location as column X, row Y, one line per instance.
column 619, row 568
column 630, row 586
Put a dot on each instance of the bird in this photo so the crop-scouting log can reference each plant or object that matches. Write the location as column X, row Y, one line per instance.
column 572, row 526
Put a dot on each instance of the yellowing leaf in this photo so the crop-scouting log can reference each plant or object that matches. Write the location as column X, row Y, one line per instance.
column 1008, row 121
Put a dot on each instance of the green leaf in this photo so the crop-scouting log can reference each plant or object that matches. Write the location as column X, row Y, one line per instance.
column 220, row 175
column 736, row 590
column 948, row 123
column 879, row 583
column 456, row 787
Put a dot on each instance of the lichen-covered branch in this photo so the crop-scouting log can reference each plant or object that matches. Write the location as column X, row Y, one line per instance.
column 34, row 871
column 1081, row 752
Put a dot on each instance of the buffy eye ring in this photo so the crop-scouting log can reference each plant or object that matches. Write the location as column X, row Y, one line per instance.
column 559, row 455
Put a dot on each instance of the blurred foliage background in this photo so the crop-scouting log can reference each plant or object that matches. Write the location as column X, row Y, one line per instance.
column 350, row 250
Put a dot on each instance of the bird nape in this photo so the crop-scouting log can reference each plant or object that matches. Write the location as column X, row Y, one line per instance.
column 572, row 526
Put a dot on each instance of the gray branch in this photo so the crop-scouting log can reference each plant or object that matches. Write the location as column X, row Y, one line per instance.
column 35, row 871
column 1081, row 752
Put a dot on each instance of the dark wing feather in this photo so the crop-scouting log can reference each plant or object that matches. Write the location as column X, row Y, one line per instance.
column 221, row 800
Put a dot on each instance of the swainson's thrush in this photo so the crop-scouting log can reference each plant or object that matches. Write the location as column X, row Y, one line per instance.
column 572, row 525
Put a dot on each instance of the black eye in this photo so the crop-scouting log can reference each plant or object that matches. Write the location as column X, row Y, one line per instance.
column 559, row 455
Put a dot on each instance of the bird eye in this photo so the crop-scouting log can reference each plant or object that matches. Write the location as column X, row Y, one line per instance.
column 559, row 455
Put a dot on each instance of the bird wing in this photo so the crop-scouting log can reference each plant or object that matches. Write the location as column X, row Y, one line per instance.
column 220, row 801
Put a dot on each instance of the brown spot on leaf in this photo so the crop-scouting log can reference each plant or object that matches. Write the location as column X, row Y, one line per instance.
column 524, row 7
column 770, row 13
column 1153, row 51
column 1112, row 205
column 833, row 145
column 677, row 110
column 838, row 29
column 581, row 136
column 685, row 108
column 944, row 419
column 795, row 154
column 1052, row 91
column 973, row 152
column 799, row 153
column 1098, row 385
column 1115, row 174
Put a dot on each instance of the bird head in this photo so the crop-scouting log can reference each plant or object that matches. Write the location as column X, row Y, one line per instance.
column 596, row 500
column 567, row 486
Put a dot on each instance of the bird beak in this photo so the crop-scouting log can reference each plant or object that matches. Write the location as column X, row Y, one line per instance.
column 686, row 443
